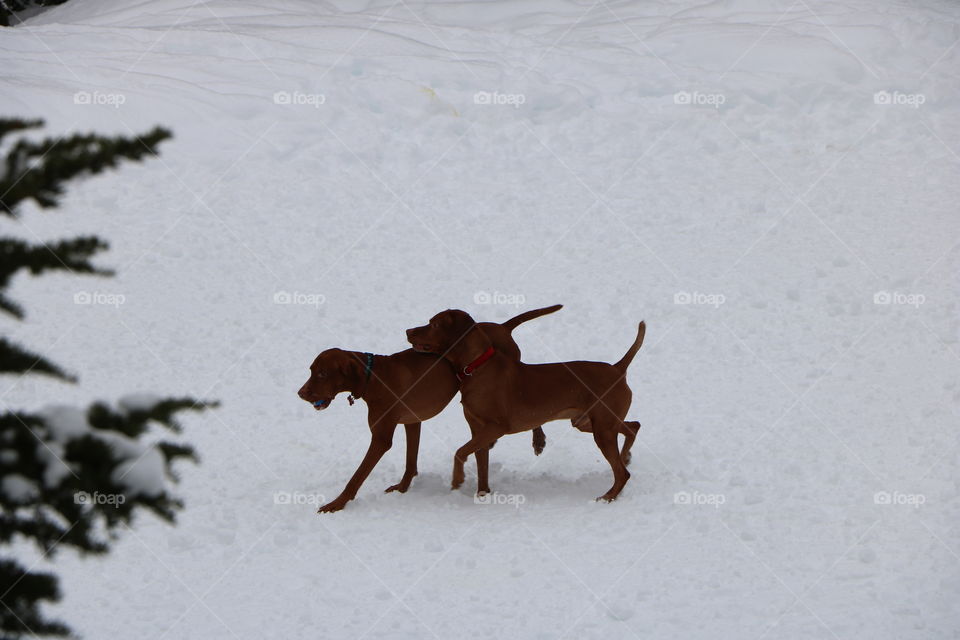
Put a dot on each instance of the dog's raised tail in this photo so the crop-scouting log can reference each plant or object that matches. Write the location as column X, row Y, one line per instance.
column 625, row 361
column 516, row 321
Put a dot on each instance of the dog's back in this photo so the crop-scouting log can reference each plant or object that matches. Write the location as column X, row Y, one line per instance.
column 501, row 334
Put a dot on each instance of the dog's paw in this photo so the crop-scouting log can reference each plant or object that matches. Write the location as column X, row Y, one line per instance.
column 539, row 441
column 332, row 507
column 404, row 483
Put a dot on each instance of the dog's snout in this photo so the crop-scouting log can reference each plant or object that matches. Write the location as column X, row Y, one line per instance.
column 409, row 334
column 302, row 392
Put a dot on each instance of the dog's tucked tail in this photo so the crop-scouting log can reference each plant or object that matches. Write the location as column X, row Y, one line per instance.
column 632, row 351
column 516, row 321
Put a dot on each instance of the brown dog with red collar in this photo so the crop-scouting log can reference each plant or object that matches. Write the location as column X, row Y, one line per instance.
column 501, row 395
column 403, row 388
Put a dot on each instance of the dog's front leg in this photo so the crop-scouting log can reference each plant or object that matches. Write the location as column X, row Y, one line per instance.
column 460, row 457
column 481, row 440
column 483, row 465
column 380, row 443
column 474, row 446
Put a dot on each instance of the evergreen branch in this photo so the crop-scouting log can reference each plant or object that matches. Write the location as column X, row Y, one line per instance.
column 38, row 170
column 9, row 125
column 133, row 422
column 65, row 255
column 14, row 359
column 21, row 592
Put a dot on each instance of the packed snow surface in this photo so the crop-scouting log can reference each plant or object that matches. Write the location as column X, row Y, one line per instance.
column 771, row 185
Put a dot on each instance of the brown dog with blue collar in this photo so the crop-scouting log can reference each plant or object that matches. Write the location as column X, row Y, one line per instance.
column 402, row 388
column 501, row 395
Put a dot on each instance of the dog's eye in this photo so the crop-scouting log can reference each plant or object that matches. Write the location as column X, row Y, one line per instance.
column 321, row 374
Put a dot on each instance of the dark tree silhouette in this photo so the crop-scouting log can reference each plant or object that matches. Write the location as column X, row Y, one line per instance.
column 9, row 8
column 66, row 473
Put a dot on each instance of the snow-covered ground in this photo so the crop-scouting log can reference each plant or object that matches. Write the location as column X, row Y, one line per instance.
column 725, row 170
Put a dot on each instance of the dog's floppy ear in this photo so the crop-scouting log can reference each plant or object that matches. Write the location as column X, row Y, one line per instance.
column 460, row 322
column 349, row 366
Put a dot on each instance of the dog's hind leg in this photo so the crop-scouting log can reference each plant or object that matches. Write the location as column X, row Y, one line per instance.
column 413, row 448
column 629, row 431
column 539, row 440
column 605, row 435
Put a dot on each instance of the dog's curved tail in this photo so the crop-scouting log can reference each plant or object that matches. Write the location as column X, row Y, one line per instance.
column 625, row 361
column 516, row 321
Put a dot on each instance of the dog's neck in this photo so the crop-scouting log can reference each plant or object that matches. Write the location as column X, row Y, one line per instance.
column 469, row 348
column 361, row 377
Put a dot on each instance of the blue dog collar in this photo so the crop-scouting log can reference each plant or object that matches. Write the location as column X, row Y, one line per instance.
column 367, row 371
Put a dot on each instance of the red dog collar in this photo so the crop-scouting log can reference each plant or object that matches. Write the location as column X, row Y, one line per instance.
column 473, row 366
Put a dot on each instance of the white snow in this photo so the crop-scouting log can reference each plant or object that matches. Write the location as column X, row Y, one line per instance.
column 143, row 474
column 65, row 422
column 139, row 401
column 18, row 488
column 143, row 470
column 770, row 185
